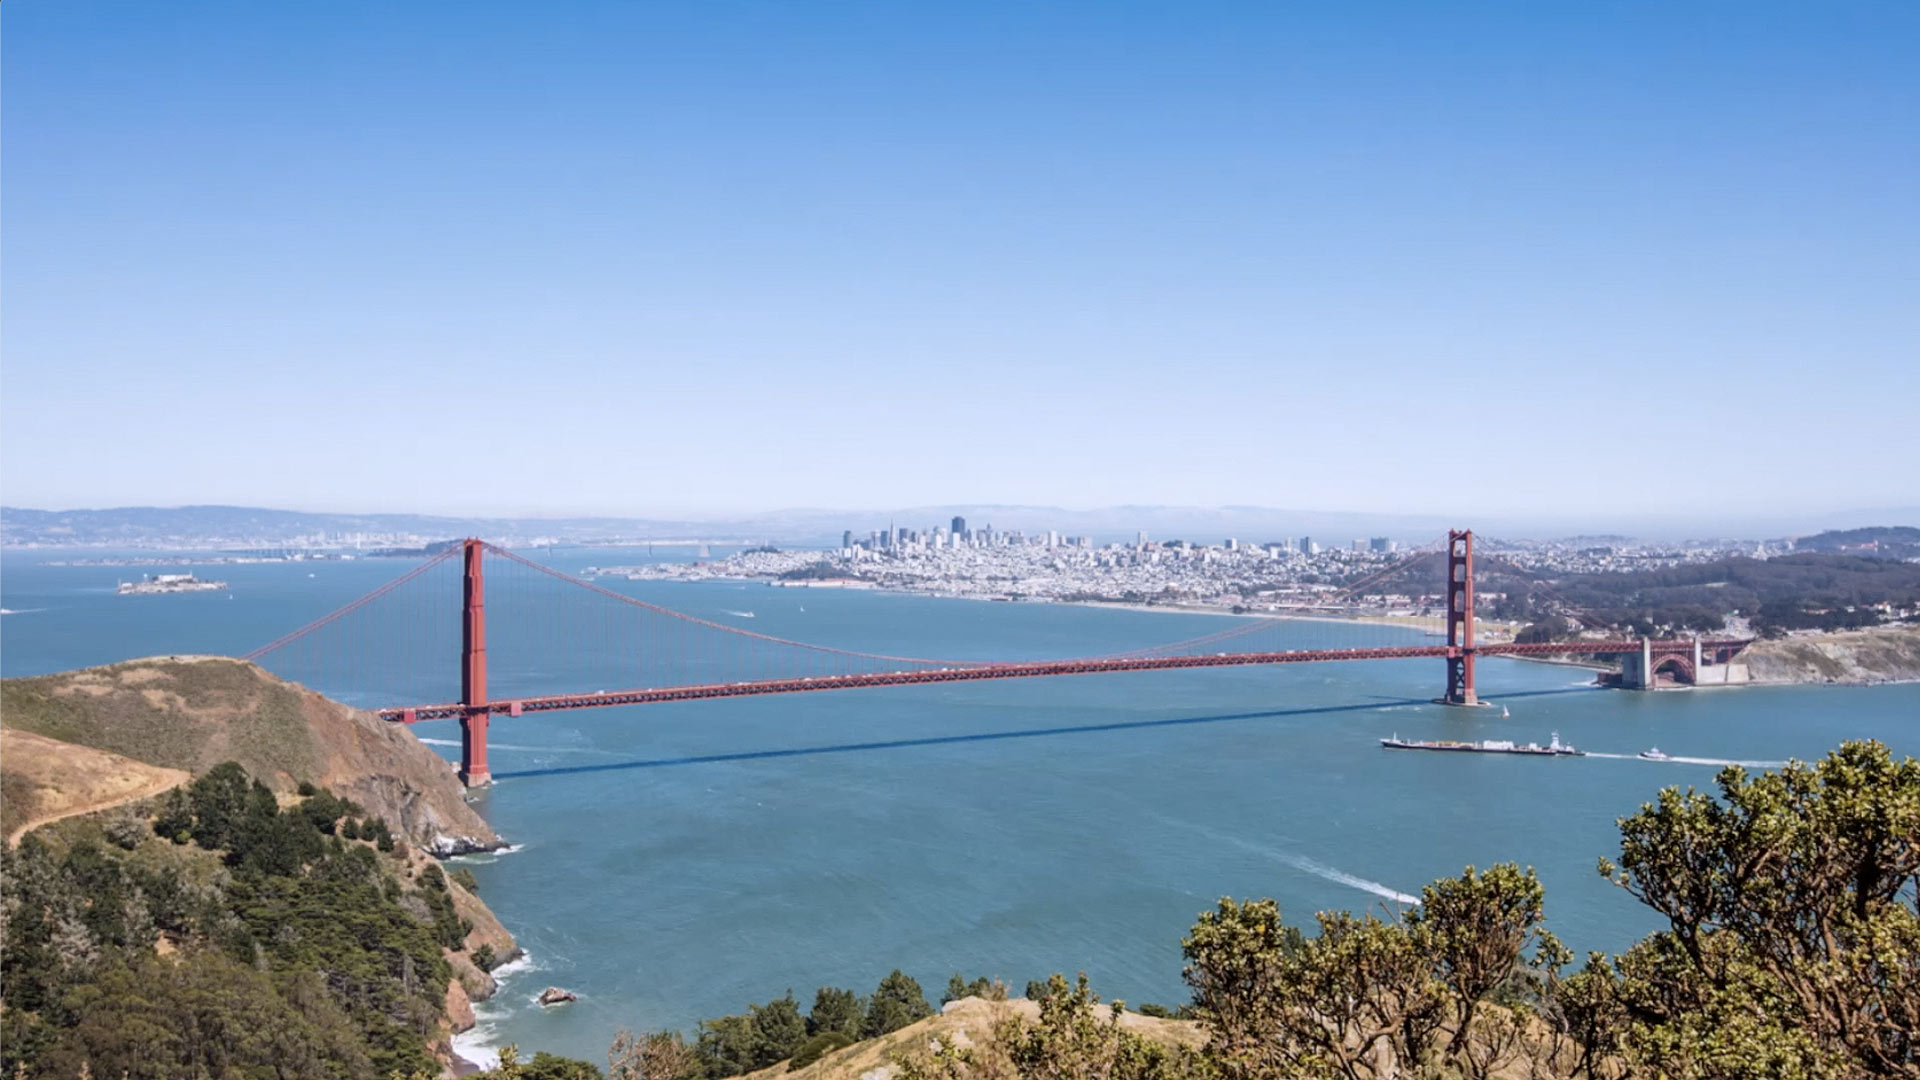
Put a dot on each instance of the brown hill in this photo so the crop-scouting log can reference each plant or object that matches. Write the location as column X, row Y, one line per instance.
column 967, row 1022
column 1880, row 654
column 43, row 780
column 191, row 713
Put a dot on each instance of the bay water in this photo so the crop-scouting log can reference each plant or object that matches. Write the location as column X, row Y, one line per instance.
column 673, row 862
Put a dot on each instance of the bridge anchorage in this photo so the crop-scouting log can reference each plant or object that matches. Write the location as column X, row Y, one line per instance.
column 680, row 657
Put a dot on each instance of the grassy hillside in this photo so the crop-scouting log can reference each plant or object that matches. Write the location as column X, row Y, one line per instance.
column 191, row 713
column 178, row 712
column 967, row 1022
column 44, row 780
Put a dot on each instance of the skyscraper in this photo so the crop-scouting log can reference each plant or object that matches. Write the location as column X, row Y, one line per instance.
column 959, row 526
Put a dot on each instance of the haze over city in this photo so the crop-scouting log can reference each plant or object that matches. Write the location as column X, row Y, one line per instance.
column 1471, row 260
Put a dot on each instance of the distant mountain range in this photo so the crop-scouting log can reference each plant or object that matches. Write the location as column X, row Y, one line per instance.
column 239, row 527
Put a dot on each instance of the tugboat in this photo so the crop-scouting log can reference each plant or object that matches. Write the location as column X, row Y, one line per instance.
column 1654, row 754
column 1556, row 748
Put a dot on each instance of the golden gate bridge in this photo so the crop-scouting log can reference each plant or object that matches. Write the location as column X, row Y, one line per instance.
column 665, row 655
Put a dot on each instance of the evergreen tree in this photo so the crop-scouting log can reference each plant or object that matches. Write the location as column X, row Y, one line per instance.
column 896, row 1002
column 836, row 1010
column 778, row 1030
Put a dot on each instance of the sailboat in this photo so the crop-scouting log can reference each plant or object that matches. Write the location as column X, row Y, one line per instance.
column 1505, row 712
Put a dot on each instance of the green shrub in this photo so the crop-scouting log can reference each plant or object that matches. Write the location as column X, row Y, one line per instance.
column 817, row 1047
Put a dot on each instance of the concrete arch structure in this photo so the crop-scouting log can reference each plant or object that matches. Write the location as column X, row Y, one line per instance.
column 1679, row 663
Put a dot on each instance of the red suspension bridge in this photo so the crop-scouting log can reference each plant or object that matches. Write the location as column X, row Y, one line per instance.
column 666, row 655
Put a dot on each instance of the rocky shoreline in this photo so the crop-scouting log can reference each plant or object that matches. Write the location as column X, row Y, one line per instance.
column 1887, row 654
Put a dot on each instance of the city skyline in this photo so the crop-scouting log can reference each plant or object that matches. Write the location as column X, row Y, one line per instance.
column 1486, row 262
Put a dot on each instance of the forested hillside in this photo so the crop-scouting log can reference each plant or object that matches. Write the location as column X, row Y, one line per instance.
column 1790, row 592
column 215, row 932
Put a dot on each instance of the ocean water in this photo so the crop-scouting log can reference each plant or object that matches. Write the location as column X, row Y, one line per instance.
column 672, row 862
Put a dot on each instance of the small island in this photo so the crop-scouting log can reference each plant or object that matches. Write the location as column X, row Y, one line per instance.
column 153, row 584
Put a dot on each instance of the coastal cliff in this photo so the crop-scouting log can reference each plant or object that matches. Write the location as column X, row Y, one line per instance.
column 1882, row 654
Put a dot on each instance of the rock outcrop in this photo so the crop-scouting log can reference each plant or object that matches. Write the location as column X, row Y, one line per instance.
column 1882, row 654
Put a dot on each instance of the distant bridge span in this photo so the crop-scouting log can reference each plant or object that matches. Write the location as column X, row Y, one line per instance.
column 1036, row 669
column 475, row 708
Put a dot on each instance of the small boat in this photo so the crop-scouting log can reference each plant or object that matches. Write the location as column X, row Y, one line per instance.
column 1505, row 712
column 1654, row 754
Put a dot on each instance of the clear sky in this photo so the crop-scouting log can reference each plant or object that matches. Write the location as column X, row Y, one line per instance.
column 656, row 258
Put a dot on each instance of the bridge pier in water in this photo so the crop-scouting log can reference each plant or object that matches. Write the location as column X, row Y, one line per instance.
column 473, row 672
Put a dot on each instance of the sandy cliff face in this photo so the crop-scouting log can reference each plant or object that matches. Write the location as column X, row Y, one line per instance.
column 1884, row 654
column 193, row 713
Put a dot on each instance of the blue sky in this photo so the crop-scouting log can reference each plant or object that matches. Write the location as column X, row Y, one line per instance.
column 647, row 258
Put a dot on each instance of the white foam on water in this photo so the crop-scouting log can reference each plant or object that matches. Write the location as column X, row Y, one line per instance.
column 483, row 858
column 20, row 611
column 480, row 1043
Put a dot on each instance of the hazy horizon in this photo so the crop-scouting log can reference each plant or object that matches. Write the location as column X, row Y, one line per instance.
column 1198, row 523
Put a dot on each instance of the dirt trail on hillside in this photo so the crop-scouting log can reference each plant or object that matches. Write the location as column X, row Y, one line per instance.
column 46, row 780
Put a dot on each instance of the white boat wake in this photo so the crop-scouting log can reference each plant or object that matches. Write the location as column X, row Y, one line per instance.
column 738, row 614
column 1675, row 759
column 1341, row 877
column 1319, row 869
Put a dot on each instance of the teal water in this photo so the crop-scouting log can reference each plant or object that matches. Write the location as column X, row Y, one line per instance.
column 678, row 861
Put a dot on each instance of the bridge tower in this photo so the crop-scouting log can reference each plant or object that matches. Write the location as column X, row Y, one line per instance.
column 1460, row 650
column 473, row 672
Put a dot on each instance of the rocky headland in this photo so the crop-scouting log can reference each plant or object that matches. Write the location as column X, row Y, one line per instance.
column 1879, row 655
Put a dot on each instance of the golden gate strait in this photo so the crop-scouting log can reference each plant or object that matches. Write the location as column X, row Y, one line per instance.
column 466, row 637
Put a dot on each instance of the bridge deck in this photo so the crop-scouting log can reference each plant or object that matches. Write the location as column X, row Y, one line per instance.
column 1032, row 669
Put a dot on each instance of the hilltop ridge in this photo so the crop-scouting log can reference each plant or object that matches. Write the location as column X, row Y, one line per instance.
column 192, row 713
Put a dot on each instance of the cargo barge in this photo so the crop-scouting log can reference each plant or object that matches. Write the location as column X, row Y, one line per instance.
column 1556, row 748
